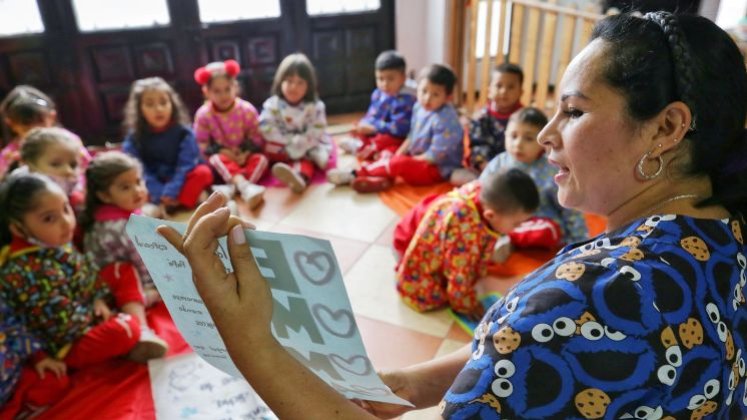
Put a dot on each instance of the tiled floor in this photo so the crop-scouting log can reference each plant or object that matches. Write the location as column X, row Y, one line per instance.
column 360, row 229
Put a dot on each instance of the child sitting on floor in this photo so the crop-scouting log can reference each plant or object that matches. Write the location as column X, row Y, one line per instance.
column 293, row 122
column 552, row 225
column 446, row 241
column 227, row 131
column 487, row 131
column 56, row 292
column 160, row 137
column 387, row 121
column 24, row 109
column 115, row 191
column 432, row 151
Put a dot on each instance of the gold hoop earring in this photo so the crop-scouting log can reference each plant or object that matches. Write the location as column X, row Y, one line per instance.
column 643, row 174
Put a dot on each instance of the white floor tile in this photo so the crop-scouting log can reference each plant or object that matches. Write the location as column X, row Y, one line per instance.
column 342, row 212
column 371, row 286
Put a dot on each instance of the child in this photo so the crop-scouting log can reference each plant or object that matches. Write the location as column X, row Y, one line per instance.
column 387, row 121
column 293, row 122
column 160, row 137
column 446, row 243
column 56, row 153
column 23, row 109
column 56, row 291
column 486, row 132
column 227, row 130
column 29, row 390
column 434, row 148
column 115, row 191
column 553, row 224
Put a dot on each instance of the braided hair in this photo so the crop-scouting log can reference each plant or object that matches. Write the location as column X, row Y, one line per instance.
column 663, row 58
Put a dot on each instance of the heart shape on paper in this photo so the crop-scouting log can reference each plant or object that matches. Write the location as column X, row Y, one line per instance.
column 317, row 267
column 357, row 364
column 340, row 323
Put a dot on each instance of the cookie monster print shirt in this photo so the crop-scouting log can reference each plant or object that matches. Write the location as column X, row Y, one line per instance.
column 645, row 322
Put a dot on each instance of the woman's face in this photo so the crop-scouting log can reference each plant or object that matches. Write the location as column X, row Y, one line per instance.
column 591, row 139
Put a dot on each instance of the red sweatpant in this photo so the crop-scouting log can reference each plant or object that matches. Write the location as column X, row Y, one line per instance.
column 253, row 169
column 412, row 171
column 303, row 166
column 537, row 232
column 112, row 338
column 198, row 179
column 378, row 144
column 123, row 281
column 32, row 391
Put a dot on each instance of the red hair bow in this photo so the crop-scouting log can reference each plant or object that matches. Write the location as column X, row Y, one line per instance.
column 228, row 68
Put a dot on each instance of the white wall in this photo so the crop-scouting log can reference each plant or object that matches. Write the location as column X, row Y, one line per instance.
column 420, row 27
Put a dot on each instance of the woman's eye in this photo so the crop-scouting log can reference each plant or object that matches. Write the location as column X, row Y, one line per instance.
column 573, row 112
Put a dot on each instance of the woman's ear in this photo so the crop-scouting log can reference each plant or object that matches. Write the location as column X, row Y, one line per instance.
column 670, row 127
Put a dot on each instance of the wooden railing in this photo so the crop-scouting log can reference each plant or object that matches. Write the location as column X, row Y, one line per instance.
column 528, row 34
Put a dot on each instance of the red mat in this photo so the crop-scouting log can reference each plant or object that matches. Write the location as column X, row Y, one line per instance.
column 117, row 389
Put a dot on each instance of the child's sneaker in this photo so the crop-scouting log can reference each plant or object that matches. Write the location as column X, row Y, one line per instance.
column 370, row 184
column 252, row 194
column 233, row 207
column 350, row 145
column 340, row 176
column 285, row 174
column 150, row 346
column 502, row 250
column 227, row 189
column 152, row 210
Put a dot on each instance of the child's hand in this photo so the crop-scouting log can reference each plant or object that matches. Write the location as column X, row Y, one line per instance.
column 241, row 157
column 55, row 366
column 101, row 309
column 477, row 313
column 366, row 129
column 229, row 153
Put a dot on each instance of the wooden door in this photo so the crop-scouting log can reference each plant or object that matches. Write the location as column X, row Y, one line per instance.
column 89, row 73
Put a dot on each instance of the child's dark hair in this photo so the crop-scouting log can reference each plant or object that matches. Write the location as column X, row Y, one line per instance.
column 100, row 174
column 299, row 65
column 390, row 60
column 508, row 191
column 39, row 139
column 441, row 75
column 510, row 68
column 19, row 193
column 134, row 122
column 529, row 115
column 26, row 105
column 662, row 58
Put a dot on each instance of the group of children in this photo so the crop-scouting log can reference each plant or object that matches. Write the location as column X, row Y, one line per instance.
column 73, row 290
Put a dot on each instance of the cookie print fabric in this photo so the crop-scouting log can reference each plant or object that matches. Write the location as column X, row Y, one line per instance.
column 645, row 322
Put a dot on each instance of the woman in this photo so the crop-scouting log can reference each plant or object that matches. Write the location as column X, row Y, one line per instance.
column 645, row 321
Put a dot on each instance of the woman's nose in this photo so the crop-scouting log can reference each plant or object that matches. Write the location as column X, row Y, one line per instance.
column 549, row 135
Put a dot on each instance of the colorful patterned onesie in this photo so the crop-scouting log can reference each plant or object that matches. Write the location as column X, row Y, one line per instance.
column 447, row 254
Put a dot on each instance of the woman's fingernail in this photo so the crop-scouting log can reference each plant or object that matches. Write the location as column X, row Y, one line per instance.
column 237, row 235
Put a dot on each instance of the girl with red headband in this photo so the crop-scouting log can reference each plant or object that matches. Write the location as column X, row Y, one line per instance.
column 227, row 130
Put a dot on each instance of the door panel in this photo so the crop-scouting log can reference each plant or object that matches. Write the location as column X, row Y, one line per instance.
column 89, row 74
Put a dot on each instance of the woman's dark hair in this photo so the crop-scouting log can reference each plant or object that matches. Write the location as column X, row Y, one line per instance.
column 296, row 64
column 508, row 191
column 100, row 174
column 662, row 58
column 18, row 194
column 134, row 121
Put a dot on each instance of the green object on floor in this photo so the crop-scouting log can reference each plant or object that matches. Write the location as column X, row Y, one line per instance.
column 469, row 325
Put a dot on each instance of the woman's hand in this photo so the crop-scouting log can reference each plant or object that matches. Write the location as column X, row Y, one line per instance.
column 55, row 366
column 101, row 309
column 399, row 382
column 231, row 298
